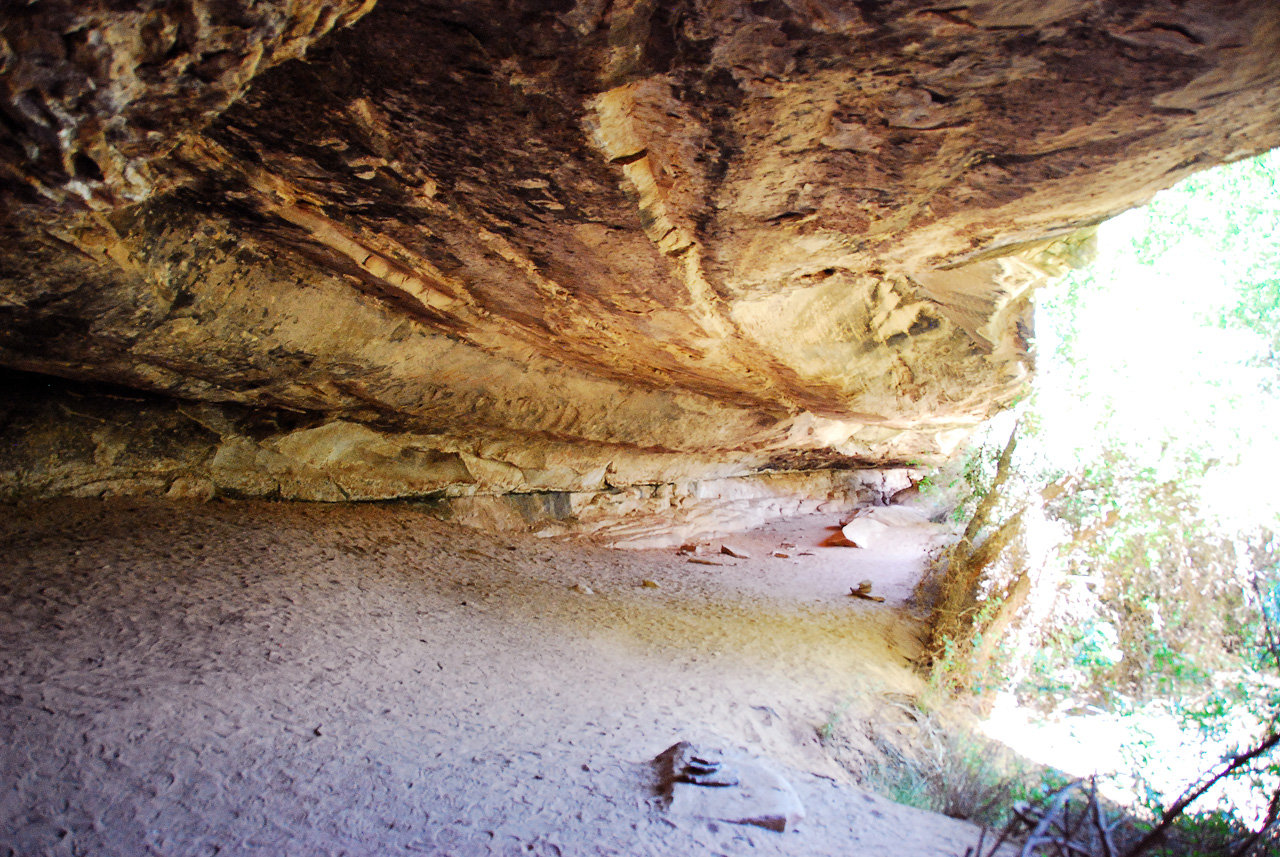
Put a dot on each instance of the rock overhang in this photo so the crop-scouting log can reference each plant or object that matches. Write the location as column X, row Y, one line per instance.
column 605, row 244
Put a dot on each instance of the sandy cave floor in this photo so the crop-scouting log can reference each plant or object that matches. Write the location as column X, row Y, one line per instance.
column 272, row 679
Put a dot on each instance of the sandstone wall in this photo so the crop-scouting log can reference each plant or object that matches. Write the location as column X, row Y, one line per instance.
column 573, row 245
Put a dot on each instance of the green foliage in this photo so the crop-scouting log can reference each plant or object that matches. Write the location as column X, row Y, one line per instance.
column 1164, row 600
column 1210, row 833
column 1235, row 214
column 966, row 668
column 1228, row 210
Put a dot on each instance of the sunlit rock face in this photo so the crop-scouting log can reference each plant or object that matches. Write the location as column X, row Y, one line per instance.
column 473, row 247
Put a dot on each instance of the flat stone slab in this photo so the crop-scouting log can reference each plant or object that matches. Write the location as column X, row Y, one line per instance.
column 708, row 783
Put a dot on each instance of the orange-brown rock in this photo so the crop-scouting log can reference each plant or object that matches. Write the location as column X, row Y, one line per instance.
column 606, row 244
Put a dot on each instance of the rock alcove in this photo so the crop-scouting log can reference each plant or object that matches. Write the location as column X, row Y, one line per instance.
column 617, row 266
column 548, row 261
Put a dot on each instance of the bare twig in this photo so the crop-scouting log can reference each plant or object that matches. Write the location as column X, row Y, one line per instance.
column 1054, row 829
column 1104, row 832
column 1020, row 817
column 982, row 837
column 1060, row 799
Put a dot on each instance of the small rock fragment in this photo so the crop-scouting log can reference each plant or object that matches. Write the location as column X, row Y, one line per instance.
column 781, row 555
column 650, row 584
column 736, row 553
column 704, row 561
column 863, row 590
column 582, row 589
column 837, row 540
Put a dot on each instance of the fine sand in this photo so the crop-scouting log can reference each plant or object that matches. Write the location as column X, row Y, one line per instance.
column 272, row 679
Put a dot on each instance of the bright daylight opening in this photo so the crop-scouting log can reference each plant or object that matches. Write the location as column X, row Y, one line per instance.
column 1148, row 654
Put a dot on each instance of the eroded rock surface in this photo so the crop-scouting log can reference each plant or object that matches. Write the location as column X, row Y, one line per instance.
column 76, row 440
column 644, row 242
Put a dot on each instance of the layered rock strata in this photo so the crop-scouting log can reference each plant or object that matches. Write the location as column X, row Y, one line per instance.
column 79, row 440
column 481, row 247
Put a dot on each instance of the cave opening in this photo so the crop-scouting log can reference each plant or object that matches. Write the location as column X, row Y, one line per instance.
column 1142, row 569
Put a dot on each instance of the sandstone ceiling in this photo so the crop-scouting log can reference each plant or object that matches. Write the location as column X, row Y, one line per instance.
column 572, row 245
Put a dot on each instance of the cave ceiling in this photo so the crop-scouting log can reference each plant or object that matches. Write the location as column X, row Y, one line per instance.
column 761, row 235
